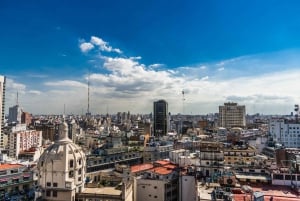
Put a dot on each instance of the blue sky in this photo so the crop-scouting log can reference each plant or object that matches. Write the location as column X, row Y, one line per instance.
column 139, row 51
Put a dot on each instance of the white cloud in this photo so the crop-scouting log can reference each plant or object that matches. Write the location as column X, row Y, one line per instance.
column 12, row 85
column 128, row 84
column 221, row 69
column 155, row 65
column 34, row 92
column 204, row 78
column 85, row 47
column 66, row 83
column 103, row 46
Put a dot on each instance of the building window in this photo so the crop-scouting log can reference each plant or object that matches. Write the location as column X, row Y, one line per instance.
column 79, row 171
column 48, row 193
column 71, row 163
column 48, row 183
column 55, row 184
column 79, row 161
column 155, row 187
column 71, row 174
column 54, row 194
column 79, row 178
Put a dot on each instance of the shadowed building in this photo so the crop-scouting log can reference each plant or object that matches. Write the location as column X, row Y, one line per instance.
column 160, row 118
column 2, row 106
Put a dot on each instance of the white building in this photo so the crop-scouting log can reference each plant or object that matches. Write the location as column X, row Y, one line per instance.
column 157, row 184
column 188, row 188
column 232, row 115
column 61, row 169
column 285, row 132
column 2, row 108
column 21, row 140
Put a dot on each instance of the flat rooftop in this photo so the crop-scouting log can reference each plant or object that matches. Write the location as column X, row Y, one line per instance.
column 279, row 193
column 102, row 191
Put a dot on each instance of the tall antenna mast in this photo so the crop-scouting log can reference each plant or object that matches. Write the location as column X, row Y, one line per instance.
column 17, row 97
column 183, row 99
column 88, row 108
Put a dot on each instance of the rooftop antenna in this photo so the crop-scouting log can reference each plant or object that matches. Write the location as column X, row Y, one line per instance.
column 183, row 99
column 88, row 107
column 182, row 110
column 18, row 98
column 296, row 112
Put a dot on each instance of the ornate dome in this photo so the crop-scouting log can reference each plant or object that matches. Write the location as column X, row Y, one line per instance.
column 62, row 167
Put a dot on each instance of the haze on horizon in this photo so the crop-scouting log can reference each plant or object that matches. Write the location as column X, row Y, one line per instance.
column 135, row 53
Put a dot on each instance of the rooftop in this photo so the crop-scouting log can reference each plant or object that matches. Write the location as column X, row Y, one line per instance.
column 8, row 166
column 162, row 170
column 141, row 167
column 102, row 191
column 163, row 162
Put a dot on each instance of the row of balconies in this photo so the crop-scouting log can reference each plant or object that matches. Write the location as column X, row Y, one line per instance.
column 14, row 182
column 247, row 154
column 212, row 158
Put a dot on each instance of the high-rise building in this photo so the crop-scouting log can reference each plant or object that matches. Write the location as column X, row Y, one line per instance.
column 160, row 118
column 2, row 106
column 285, row 132
column 15, row 114
column 21, row 140
column 232, row 115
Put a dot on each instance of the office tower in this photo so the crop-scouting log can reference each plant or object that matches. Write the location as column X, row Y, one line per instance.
column 160, row 118
column 15, row 114
column 2, row 106
column 232, row 115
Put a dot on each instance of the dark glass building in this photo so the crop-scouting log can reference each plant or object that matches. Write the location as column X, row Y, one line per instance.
column 160, row 118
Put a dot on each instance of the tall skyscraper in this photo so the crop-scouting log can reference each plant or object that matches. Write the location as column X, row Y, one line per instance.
column 15, row 114
column 160, row 118
column 2, row 108
column 232, row 115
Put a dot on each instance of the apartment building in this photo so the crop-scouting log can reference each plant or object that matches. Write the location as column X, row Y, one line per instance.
column 159, row 183
column 239, row 155
column 211, row 158
column 21, row 139
column 15, row 181
column 232, row 115
column 285, row 132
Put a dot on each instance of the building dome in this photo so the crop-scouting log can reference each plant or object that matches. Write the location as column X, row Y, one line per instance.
column 62, row 168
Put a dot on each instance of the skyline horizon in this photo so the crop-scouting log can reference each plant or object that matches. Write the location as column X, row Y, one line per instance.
column 134, row 53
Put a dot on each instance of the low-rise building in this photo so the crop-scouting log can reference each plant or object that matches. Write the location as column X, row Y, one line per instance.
column 211, row 158
column 239, row 155
column 15, row 181
column 159, row 183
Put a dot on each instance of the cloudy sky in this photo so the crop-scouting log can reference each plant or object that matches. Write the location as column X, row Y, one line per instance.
column 136, row 52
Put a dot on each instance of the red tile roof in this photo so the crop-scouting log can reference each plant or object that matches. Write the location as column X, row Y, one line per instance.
column 161, row 170
column 8, row 166
column 163, row 162
column 141, row 167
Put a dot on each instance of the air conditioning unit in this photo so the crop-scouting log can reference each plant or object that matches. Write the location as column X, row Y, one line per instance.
column 229, row 180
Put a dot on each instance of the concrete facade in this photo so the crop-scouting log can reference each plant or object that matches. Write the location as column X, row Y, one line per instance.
column 232, row 115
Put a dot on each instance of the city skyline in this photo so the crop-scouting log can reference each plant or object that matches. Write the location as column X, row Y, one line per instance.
column 135, row 53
